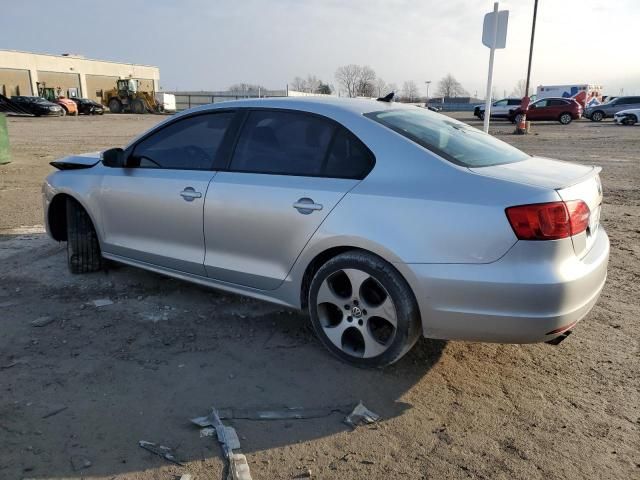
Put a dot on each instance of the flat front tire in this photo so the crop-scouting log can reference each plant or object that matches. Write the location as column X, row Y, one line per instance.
column 83, row 247
column 362, row 310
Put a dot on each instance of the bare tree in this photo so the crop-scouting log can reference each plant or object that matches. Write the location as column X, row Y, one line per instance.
column 312, row 84
column 410, row 90
column 298, row 84
column 392, row 87
column 347, row 77
column 365, row 86
column 245, row 88
column 520, row 89
column 448, row 86
column 381, row 88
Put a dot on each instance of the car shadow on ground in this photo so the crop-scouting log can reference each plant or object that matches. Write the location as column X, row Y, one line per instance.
column 84, row 383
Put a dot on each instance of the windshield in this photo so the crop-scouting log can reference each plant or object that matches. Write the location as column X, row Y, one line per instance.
column 453, row 140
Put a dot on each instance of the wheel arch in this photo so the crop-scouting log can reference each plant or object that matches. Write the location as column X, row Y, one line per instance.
column 327, row 254
column 57, row 216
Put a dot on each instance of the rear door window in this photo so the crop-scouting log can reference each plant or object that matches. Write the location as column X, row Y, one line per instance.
column 282, row 143
column 556, row 103
column 515, row 102
column 186, row 144
column 348, row 157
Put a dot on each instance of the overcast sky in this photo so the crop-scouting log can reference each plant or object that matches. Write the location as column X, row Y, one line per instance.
column 211, row 44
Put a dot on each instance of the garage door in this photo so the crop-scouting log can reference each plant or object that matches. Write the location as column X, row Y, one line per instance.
column 61, row 82
column 96, row 84
column 14, row 82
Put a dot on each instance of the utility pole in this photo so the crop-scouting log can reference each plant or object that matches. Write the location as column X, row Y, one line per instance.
column 526, row 93
column 428, row 82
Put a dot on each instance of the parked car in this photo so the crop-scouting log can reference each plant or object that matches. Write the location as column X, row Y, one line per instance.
column 383, row 221
column 38, row 106
column 499, row 109
column 69, row 107
column 564, row 110
column 627, row 117
column 607, row 110
column 87, row 106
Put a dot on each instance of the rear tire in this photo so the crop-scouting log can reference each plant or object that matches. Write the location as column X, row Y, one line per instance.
column 115, row 105
column 597, row 116
column 481, row 115
column 83, row 248
column 565, row 118
column 630, row 120
column 382, row 321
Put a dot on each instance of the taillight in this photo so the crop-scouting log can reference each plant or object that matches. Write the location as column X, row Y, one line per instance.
column 549, row 221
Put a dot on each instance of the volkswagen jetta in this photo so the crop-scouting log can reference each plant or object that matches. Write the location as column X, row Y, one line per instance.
column 385, row 222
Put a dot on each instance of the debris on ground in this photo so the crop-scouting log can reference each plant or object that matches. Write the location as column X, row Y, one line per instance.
column 286, row 413
column 228, row 438
column 161, row 451
column 102, row 302
column 55, row 411
column 186, row 476
column 42, row 321
column 361, row 415
column 80, row 463
column 208, row 432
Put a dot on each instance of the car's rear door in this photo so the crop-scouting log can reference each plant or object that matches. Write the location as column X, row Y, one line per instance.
column 288, row 171
column 152, row 211
column 539, row 111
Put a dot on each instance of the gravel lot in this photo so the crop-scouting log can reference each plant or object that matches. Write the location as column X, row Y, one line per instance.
column 81, row 385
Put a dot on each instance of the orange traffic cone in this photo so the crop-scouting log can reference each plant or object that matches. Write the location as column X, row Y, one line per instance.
column 521, row 128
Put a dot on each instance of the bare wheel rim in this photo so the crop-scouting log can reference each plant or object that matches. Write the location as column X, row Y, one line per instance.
column 356, row 313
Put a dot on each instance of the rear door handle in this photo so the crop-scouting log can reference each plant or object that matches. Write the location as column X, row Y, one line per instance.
column 190, row 194
column 306, row 206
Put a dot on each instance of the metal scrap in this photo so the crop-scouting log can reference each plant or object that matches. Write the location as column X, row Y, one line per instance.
column 161, row 451
column 361, row 415
column 286, row 413
column 228, row 438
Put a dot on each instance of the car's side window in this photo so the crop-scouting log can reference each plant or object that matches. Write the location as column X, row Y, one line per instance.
column 501, row 103
column 541, row 103
column 282, row 142
column 556, row 103
column 348, row 157
column 515, row 102
column 186, row 144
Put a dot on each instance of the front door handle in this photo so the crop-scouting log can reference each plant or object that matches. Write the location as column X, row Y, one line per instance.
column 306, row 206
column 190, row 194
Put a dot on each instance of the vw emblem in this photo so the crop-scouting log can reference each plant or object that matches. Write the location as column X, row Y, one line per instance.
column 356, row 312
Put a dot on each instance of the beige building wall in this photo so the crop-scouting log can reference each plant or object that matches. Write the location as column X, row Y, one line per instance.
column 43, row 64
column 14, row 82
column 99, row 83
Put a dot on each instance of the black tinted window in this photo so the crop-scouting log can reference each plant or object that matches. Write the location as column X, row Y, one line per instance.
column 348, row 157
column 515, row 102
column 188, row 144
column 279, row 142
column 555, row 103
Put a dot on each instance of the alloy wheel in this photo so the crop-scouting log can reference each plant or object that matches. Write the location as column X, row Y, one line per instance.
column 356, row 313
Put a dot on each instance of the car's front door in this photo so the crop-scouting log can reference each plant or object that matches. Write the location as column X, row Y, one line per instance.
column 499, row 109
column 537, row 110
column 288, row 171
column 152, row 211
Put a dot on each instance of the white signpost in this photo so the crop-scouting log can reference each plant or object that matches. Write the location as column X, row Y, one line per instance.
column 494, row 35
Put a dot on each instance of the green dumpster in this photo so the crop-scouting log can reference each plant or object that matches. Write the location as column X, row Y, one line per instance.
column 5, row 156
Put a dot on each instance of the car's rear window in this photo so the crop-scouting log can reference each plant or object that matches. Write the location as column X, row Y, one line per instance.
column 449, row 138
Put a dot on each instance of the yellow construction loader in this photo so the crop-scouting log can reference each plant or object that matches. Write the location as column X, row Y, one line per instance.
column 127, row 98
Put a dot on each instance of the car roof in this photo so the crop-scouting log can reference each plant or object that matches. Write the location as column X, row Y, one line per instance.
column 322, row 105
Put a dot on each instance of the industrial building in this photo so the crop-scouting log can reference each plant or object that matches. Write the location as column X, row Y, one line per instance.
column 23, row 73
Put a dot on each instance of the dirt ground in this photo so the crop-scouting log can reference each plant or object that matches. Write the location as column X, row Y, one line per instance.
column 80, row 385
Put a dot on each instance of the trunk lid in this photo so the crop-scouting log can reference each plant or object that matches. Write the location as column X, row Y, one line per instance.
column 571, row 181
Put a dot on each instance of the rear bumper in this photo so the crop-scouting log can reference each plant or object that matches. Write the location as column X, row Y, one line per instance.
column 530, row 295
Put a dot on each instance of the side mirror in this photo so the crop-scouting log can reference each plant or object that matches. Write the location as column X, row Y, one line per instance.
column 531, row 107
column 114, row 158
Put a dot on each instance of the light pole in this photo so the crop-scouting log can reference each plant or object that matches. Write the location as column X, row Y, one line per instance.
column 427, row 83
column 533, row 34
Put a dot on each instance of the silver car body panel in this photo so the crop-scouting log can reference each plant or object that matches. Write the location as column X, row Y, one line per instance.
column 443, row 227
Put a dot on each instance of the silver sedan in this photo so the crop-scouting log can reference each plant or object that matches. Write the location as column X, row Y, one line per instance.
column 385, row 222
